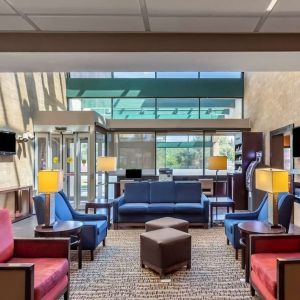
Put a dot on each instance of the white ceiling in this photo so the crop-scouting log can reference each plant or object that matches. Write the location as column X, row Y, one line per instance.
column 149, row 15
column 65, row 62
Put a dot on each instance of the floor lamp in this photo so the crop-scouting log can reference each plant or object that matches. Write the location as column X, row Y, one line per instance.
column 49, row 181
column 217, row 163
column 106, row 164
column 272, row 181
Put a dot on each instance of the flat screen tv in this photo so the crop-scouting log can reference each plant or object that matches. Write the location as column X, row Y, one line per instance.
column 133, row 173
column 7, row 143
column 296, row 142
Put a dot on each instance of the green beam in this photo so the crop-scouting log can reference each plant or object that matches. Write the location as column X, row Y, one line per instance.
column 155, row 88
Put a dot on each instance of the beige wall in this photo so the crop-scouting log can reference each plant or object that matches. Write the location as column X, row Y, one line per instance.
column 272, row 100
column 21, row 96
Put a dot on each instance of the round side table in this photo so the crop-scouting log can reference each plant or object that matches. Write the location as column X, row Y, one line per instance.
column 64, row 229
column 253, row 227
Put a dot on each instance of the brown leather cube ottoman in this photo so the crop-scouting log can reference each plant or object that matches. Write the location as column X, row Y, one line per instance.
column 165, row 250
column 167, row 222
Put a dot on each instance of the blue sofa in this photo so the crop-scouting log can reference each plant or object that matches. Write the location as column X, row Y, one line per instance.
column 94, row 230
column 285, row 204
column 145, row 201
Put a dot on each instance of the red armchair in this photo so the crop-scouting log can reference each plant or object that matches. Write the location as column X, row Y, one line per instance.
column 275, row 266
column 32, row 268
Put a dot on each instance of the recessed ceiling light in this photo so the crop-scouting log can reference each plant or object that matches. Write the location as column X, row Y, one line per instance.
column 271, row 5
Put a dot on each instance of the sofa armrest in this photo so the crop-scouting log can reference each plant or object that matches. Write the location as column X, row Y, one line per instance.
column 242, row 216
column 89, row 217
column 17, row 281
column 274, row 243
column 116, row 204
column 42, row 247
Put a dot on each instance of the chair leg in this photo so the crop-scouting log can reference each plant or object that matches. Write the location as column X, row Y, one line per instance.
column 236, row 254
column 227, row 241
column 66, row 295
column 252, row 290
column 92, row 254
column 103, row 242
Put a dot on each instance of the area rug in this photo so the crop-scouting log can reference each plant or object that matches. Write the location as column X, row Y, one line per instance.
column 116, row 274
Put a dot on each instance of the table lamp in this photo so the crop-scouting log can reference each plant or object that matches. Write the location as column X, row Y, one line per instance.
column 217, row 163
column 106, row 164
column 49, row 181
column 272, row 181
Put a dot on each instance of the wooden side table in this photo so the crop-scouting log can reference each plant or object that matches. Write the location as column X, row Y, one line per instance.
column 100, row 203
column 64, row 229
column 220, row 202
column 253, row 227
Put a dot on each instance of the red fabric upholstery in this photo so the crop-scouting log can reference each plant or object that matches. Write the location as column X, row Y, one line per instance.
column 281, row 244
column 48, row 272
column 41, row 248
column 261, row 287
column 6, row 236
column 56, row 291
column 264, row 266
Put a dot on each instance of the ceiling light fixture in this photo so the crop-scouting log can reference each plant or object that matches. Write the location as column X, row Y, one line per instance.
column 271, row 5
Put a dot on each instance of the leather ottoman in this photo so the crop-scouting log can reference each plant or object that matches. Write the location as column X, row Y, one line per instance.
column 165, row 250
column 167, row 222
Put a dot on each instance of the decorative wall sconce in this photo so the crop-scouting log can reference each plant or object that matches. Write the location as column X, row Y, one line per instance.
column 25, row 137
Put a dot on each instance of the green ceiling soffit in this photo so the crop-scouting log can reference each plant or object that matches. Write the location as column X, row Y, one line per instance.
column 154, row 88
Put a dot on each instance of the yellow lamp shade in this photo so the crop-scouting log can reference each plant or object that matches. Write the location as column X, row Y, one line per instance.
column 106, row 164
column 217, row 163
column 272, row 180
column 50, row 181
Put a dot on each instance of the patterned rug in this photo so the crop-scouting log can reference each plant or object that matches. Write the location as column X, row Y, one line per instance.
column 116, row 274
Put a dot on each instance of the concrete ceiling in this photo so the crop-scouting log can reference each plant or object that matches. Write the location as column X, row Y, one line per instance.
column 204, row 61
column 150, row 15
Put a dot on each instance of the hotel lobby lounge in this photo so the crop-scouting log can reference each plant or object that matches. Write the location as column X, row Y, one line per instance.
column 149, row 149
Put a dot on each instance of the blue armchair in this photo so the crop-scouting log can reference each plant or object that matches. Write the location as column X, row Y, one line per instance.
column 94, row 230
column 285, row 204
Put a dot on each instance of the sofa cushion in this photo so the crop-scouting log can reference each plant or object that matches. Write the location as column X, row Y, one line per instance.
column 162, row 192
column 62, row 211
column 48, row 272
column 161, row 208
column 189, row 192
column 6, row 234
column 133, row 208
column 264, row 265
column 189, row 208
column 101, row 225
column 137, row 192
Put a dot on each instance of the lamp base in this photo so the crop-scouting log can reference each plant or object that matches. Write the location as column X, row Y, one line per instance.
column 276, row 226
column 50, row 226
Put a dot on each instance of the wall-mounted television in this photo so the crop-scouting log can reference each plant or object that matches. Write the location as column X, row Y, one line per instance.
column 133, row 173
column 296, row 142
column 7, row 142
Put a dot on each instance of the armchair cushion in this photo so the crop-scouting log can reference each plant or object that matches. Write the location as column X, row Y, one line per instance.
column 188, row 192
column 6, row 239
column 133, row 208
column 161, row 208
column 264, row 266
column 189, row 208
column 162, row 192
column 48, row 272
column 62, row 211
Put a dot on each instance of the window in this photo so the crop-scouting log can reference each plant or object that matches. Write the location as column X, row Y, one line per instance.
column 220, row 144
column 135, row 108
column 181, row 152
column 90, row 74
column 220, row 74
column 211, row 108
column 134, row 74
column 177, row 108
column 177, row 74
column 134, row 151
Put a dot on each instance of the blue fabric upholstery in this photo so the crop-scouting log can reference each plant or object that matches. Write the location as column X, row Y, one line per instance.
column 133, row 208
column 161, row 208
column 137, row 192
column 188, row 192
column 189, row 208
column 94, row 228
column 194, row 212
column 162, row 192
column 285, row 204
